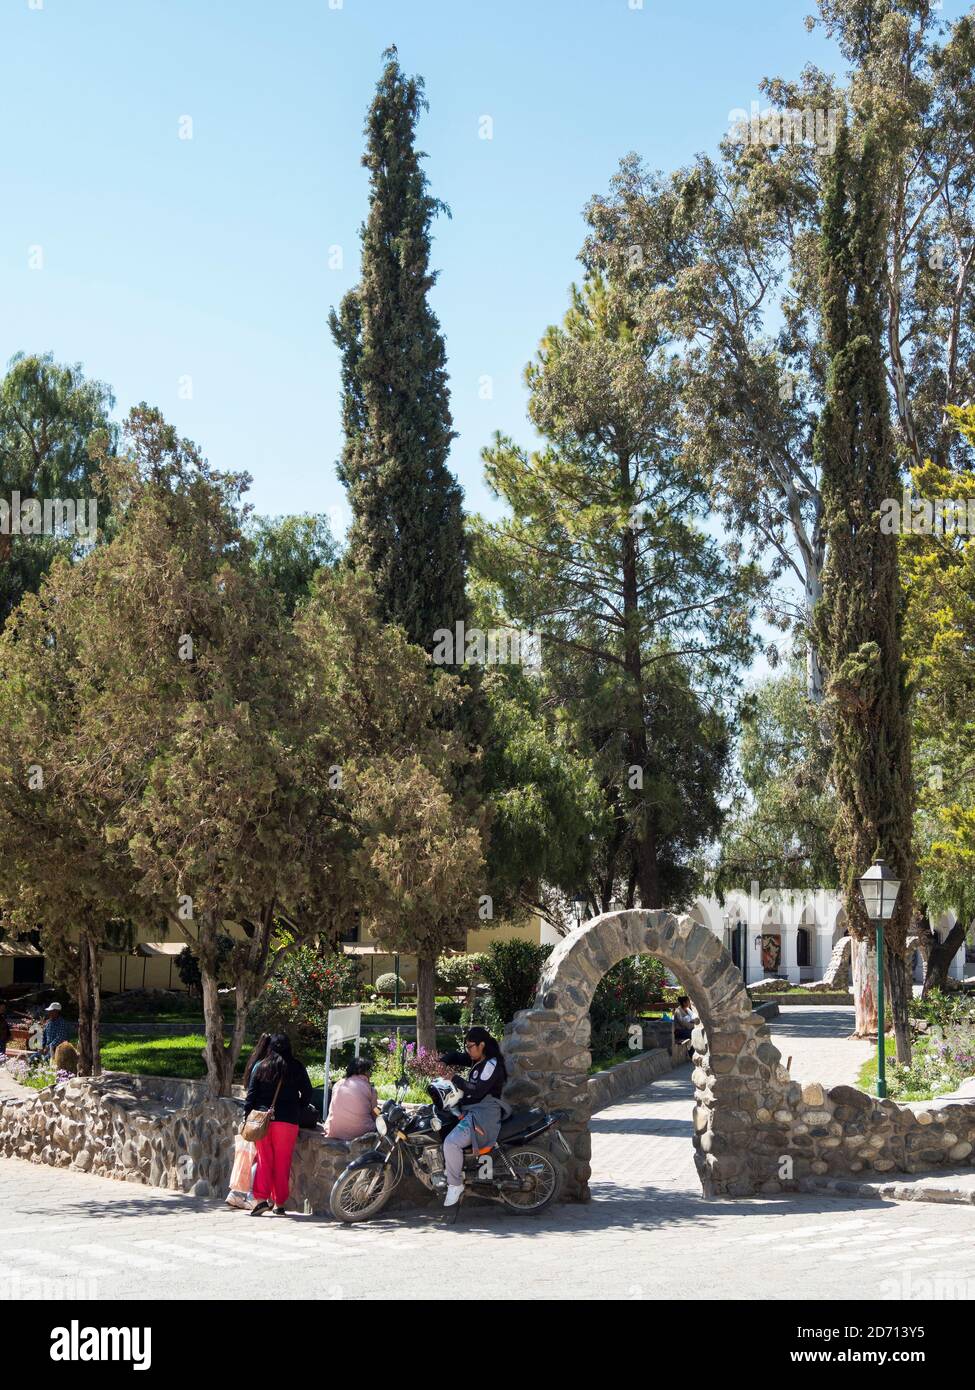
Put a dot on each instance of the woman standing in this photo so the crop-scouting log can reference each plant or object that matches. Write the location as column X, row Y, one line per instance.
column 279, row 1074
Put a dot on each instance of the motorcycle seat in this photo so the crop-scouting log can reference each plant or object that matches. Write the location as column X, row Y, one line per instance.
column 520, row 1120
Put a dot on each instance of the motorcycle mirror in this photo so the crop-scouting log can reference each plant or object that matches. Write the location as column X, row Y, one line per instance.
column 404, row 1082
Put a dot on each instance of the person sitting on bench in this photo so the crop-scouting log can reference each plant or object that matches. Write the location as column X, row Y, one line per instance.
column 684, row 1019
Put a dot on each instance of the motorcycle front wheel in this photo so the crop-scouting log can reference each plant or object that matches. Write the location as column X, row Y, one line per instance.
column 544, row 1177
column 361, row 1193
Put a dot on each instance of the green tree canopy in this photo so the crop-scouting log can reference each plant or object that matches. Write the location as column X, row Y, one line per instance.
column 49, row 414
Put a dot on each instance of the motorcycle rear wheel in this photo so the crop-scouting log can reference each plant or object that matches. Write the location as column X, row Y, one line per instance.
column 546, row 1173
column 359, row 1194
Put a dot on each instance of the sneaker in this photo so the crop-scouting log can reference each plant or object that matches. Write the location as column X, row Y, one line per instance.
column 259, row 1208
column 238, row 1201
column 454, row 1195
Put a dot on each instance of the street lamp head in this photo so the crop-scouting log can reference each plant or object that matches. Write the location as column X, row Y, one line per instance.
column 578, row 908
column 879, row 887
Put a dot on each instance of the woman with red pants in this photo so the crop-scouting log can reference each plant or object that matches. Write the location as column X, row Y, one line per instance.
column 277, row 1071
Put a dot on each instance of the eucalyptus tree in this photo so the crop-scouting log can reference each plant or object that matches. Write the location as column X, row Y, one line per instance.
column 725, row 252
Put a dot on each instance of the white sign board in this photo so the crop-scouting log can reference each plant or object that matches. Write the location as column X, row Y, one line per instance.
column 344, row 1026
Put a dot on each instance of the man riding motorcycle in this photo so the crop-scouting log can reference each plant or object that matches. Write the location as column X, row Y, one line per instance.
column 482, row 1104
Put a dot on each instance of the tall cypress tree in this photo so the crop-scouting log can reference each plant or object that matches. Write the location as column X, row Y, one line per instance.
column 858, row 619
column 407, row 528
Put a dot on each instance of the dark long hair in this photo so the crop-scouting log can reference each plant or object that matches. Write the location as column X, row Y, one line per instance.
column 278, row 1059
column 492, row 1048
column 258, row 1055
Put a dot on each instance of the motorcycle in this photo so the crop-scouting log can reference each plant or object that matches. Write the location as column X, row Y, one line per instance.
column 510, row 1171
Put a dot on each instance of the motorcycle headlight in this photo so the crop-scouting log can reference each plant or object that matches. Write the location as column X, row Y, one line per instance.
column 380, row 1125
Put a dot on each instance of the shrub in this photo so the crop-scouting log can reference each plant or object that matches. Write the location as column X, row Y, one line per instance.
column 943, row 1058
column 307, row 985
column 188, row 968
column 942, row 1009
column 483, row 1014
column 449, row 1012
column 388, row 984
column 460, row 972
column 623, row 993
column 418, row 1064
column 512, row 969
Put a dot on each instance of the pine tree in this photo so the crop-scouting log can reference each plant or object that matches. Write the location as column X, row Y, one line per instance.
column 407, row 528
column 858, row 618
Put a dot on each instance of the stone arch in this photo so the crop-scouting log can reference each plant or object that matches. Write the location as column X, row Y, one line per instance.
column 742, row 1089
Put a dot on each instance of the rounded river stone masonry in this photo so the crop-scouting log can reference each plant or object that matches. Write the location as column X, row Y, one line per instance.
column 755, row 1129
column 161, row 1132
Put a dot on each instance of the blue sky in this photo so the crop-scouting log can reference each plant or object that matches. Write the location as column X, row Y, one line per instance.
column 174, row 265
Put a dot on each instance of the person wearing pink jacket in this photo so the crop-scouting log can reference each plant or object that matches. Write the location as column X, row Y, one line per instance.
column 351, row 1111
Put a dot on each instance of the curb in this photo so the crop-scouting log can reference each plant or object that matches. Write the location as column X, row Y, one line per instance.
column 889, row 1191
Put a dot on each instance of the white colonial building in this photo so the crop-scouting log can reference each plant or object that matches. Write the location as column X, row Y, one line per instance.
column 792, row 932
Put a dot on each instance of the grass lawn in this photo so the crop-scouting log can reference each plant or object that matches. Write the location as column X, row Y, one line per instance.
column 867, row 1079
column 626, row 1054
column 192, row 1017
column 180, row 1055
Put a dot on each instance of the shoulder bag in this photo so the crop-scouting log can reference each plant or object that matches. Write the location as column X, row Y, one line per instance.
column 257, row 1122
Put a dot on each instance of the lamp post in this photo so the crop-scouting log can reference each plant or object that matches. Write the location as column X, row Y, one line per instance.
column 879, row 887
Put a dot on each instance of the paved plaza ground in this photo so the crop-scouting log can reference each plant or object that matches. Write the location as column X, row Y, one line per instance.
column 646, row 1234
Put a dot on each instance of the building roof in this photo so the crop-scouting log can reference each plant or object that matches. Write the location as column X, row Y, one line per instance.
column 19, row 948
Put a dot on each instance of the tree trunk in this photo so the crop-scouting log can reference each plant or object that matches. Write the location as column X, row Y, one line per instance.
column 217, row 1056
column 95, row 1002
column 815, row 559
column 898, row 975
column 863, row 958
column 940, row 957
column 243, row 1003
column 426, row 999
column 84, row 1008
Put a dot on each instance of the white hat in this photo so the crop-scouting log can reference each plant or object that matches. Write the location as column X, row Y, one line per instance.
column 51, row 1007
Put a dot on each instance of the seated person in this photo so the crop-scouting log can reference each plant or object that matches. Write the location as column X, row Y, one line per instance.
column 482, row 1106
column 352, row 1108
column 684, row 1019
column 56, row 1030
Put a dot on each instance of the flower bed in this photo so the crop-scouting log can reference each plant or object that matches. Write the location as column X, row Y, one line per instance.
column 36, row 1075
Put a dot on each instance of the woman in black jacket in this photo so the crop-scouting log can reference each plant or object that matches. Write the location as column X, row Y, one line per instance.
column 278, row 1074
column 482, row 1105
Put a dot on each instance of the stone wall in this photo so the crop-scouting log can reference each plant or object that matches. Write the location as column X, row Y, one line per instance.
column 160, row 1132
column 154, row 1130
column 755, row 1129
column 616, row 1082
column 837, row 973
